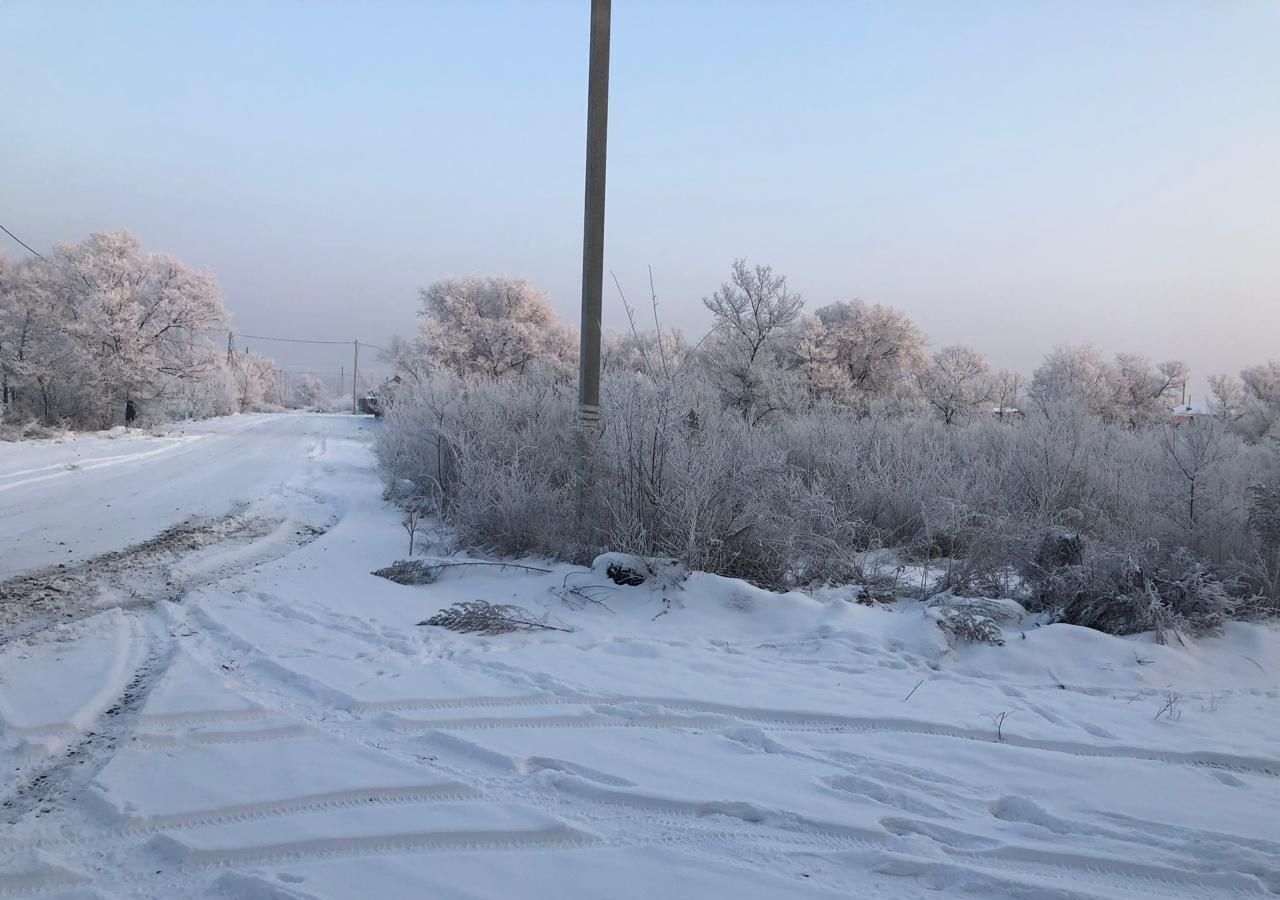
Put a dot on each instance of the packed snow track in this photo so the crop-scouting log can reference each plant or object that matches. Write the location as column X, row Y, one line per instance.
column 204, row 693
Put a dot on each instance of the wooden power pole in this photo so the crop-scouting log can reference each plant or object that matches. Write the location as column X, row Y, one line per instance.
column 355, row 375
column 593, row 219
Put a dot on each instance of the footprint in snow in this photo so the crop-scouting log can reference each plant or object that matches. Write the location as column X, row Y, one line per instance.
column 1227, row 778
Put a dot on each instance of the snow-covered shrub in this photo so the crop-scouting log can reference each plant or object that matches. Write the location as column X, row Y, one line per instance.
column 1130, row 593
column 496, row 459
column 410, row 571
column 974, row 620
column 965, row 625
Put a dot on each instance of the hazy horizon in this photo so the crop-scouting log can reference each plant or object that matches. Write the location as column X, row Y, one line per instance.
column 1012, row 177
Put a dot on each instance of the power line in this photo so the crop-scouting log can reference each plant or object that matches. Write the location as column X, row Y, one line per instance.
column 254, row 337
column 261, row 337
column 21, row 241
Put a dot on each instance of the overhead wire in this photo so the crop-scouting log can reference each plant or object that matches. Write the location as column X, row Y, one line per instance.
column 22, row 242
column 254, row 337
column 263, row 337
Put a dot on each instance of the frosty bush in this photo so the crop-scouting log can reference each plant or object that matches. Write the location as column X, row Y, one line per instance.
column 968, row 626
column 409, row 572
column 1127, row 593
column 677, row 474
column 785, row 446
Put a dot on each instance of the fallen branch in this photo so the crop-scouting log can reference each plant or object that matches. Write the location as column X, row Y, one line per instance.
column 482, row 617
column 485, row 562
column 418, row 571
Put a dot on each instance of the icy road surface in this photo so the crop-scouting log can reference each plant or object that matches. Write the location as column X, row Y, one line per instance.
column 67, row 501
column 213, row 698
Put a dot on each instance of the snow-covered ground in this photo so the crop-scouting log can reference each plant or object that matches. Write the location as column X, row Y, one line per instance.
column 238, row 709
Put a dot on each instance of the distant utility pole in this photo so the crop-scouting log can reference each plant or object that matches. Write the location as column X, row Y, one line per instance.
column 593, row 219
column 355, row 375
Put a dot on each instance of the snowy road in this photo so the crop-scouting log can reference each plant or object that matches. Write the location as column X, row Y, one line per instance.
column 65, row 502
column 264, row 719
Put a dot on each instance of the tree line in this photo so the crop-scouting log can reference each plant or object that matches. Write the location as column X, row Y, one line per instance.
column 767, row 356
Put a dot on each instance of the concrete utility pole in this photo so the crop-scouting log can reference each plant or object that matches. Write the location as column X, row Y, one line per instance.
column 355, row 375
column 593, row 219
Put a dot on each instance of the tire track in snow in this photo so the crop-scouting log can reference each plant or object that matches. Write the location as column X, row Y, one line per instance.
column 39, row 880
column 200, row 717
column 591, row 720
column 1153, row 878
column 71, row 773
column 147, row 566
column 152, row 741
column 471, row 702
column 550, row 837
column 128, row 828
column 11, row 480
column 309, row 803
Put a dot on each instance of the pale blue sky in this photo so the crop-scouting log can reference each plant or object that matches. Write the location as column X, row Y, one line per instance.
column 1011, row 174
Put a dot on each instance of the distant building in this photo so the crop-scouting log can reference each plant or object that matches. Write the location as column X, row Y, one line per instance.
column 1007, row 414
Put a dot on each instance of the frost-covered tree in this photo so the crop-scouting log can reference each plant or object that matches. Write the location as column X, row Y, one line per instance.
column 879, row 351
column 47, row 349
column 813, row 358
column 490, row 327
column 1006, row 389
column 1129, row 390
column 154, row 316
column 407, row 358
column 310, row 391
column 752, row 313
column 1226, row 398
column 754, row 307
column 257, row 381
column 1261, row 407
column 1077, row 374
column 1143, row 393
column 1192, row 455
column 957, row 384
column 100, row 326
